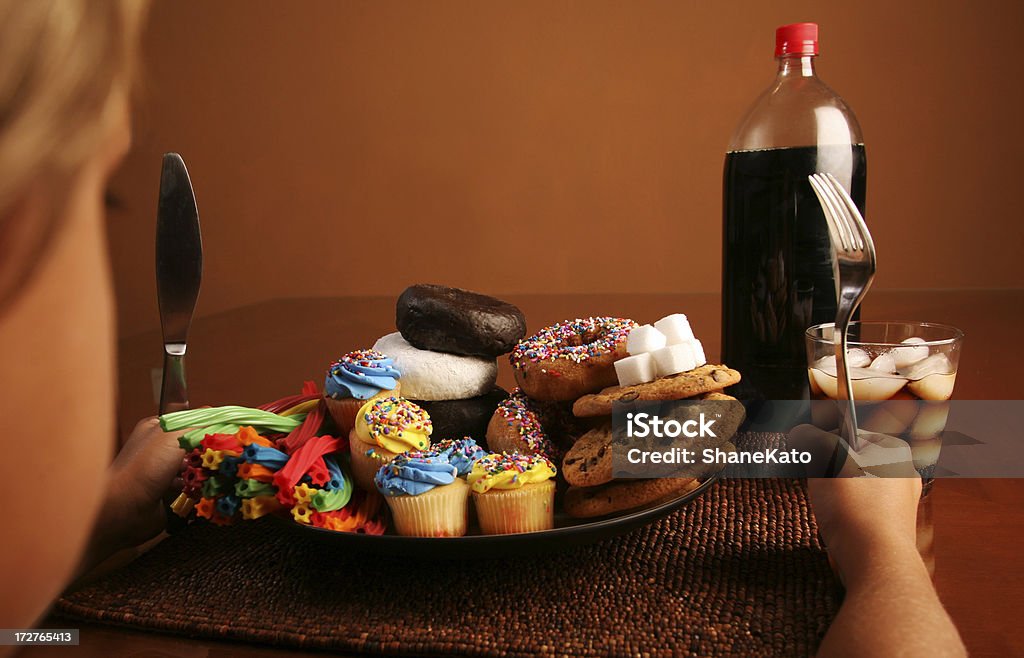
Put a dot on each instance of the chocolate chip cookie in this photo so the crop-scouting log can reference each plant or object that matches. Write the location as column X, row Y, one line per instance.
column 704, row 379
column 622, row 495
column 589, row 462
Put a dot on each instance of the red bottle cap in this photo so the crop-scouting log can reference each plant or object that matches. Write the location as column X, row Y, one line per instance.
column 796, row 39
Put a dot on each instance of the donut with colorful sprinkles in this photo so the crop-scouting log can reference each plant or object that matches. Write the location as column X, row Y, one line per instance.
column 517, row 426
column 571, row 358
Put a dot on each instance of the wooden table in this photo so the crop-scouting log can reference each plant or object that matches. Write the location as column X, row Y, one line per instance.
column 258, row 353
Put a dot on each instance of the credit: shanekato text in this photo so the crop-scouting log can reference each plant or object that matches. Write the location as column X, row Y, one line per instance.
column 717, row 456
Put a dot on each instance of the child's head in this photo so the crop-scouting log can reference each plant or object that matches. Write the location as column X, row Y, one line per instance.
column 65, row 67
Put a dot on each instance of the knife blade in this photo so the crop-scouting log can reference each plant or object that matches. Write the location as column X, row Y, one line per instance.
column 179, row 272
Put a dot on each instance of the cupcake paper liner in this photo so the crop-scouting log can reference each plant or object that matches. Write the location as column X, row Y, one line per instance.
column 440, row 512
column 365, row 467
column 508, row 511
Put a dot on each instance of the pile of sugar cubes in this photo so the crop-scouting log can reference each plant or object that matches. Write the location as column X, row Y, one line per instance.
column 666, row 348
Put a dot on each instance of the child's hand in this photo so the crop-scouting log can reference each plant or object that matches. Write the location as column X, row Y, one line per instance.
column 142, row 475
column 144, row 472
column 861, row 517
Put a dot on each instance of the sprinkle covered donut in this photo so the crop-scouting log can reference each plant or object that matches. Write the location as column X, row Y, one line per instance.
column 571, row 358
column 516, row 426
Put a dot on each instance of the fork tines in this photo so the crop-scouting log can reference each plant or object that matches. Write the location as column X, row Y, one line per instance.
column 845, row 223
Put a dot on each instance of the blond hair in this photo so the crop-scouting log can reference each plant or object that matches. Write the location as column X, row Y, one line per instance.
column 61, row 64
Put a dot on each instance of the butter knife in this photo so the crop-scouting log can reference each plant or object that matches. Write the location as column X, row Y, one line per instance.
column 179, row 271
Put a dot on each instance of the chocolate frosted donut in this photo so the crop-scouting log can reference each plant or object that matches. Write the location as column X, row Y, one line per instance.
column 458, row 321
column 454, row 419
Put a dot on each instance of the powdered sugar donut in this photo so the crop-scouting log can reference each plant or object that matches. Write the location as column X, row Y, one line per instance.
column 432, row 376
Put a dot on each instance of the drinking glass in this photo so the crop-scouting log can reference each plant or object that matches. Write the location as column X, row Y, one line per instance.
column 902, row 376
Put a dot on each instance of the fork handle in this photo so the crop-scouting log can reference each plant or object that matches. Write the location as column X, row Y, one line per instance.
column 845, row 387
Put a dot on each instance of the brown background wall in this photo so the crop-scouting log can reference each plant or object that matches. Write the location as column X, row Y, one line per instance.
column 342, row 148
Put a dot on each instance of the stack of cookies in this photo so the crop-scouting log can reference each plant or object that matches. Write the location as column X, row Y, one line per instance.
column 573, row 363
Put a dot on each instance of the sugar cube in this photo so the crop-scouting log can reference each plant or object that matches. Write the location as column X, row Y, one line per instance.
column 636, row 369
column 698, row 353
column 674, row 358
column 676, row 328
column 644, row 338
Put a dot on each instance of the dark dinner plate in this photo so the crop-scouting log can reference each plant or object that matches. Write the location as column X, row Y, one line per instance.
column 568, row 532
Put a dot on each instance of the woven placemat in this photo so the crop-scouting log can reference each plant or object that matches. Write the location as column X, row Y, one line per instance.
column 737, row 572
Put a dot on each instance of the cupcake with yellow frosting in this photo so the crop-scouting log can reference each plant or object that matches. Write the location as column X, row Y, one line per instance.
column 513, row 493
column 425, row 495
column 385, row 427
column 355, row 378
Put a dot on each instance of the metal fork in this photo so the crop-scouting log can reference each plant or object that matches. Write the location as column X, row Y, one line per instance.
column 853, row 265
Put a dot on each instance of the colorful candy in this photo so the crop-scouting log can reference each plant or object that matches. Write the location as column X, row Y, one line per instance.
column 247, row 471
column 264, row 456
column 254, row 508
column 235, row 472
column 224, row 420
column 299, row 464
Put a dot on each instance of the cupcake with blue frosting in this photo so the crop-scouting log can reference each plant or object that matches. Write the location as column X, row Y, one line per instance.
column 460, row 453
column 425, row 494
column 356, row 378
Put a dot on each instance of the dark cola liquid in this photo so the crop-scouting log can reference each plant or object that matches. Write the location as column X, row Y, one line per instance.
column 776, row 265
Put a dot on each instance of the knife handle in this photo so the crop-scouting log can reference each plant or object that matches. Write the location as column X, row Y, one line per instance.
column 173, row 397
column 174, row 390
